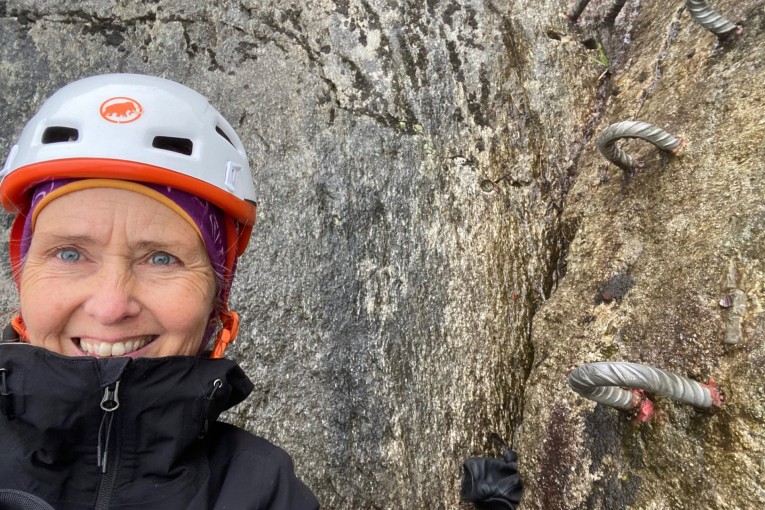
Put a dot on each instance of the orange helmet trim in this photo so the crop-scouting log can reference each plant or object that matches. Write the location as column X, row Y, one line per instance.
column 15, row 186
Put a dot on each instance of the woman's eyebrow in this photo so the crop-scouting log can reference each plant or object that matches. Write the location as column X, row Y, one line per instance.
column 53, row 237
column 151, row 245
column 177, row 247
column 85, row 239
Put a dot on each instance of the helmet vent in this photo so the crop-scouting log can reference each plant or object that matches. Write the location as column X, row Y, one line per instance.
column 223, row 134
column 172, row 144
column 58, row 134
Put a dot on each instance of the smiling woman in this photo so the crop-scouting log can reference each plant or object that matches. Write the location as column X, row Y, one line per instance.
column 131, row 277
column 133, row 199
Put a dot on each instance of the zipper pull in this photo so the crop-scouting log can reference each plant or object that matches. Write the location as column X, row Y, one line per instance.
column 111, row 399
column 6, row 397
column 216, row 385
column 110, row 402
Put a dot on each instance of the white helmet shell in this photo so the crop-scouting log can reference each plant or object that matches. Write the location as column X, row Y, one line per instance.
column 132, row 127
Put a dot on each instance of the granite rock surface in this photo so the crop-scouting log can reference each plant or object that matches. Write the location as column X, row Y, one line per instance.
column 439, row 241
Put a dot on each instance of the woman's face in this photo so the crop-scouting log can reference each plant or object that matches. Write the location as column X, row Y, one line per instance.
column 111, row 272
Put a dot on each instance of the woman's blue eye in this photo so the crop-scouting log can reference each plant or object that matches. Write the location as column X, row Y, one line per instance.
column 68, row 255
column 162, row 259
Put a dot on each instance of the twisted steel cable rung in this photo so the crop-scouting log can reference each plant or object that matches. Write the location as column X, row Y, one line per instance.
column 575, row 10
column 709, row 18
column 614, row 11
column 604, row 382
column 633, row 129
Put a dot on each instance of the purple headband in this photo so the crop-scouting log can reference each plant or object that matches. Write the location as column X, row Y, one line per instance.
column 208, row 218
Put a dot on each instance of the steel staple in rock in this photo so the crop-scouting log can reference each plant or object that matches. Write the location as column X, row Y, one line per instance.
column 710, row 19
column 614, row 11
column 575, row 10
column 633, row 129
column 605, row 382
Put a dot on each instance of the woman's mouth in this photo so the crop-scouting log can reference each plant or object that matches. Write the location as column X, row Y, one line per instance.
column 102, row 349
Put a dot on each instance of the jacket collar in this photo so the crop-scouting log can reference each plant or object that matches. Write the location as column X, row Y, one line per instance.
column 54, row 403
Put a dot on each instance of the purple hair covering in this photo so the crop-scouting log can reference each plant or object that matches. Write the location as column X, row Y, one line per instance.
column 208, row 218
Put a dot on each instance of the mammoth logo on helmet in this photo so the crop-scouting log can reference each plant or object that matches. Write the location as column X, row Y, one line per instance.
column 121, row 110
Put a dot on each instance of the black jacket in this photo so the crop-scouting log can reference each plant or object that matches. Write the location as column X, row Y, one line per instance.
column 141, row 434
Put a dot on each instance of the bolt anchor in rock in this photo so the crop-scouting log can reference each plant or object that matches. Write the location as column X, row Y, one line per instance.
column 625, row 386
column 711, row 19
column 575, row 10
column 634, row 129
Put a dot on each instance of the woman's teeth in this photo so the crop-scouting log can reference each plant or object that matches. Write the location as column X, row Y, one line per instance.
column 106, row 349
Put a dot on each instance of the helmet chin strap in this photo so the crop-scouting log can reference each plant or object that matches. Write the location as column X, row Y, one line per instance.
column 14, row 246
column 18, row 326
column 229, row 319
column 14, row 250
column 227, row 334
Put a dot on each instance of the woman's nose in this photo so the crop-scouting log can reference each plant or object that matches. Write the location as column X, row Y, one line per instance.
column 111, row 296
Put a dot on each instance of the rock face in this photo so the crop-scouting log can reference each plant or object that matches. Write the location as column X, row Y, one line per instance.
column 439, row 241
column 665, row 267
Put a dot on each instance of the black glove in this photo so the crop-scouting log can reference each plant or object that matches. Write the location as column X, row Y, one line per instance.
column 492, row 484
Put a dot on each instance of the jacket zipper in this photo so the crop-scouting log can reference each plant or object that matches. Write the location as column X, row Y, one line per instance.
column 108, row 445
column 6, row 397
